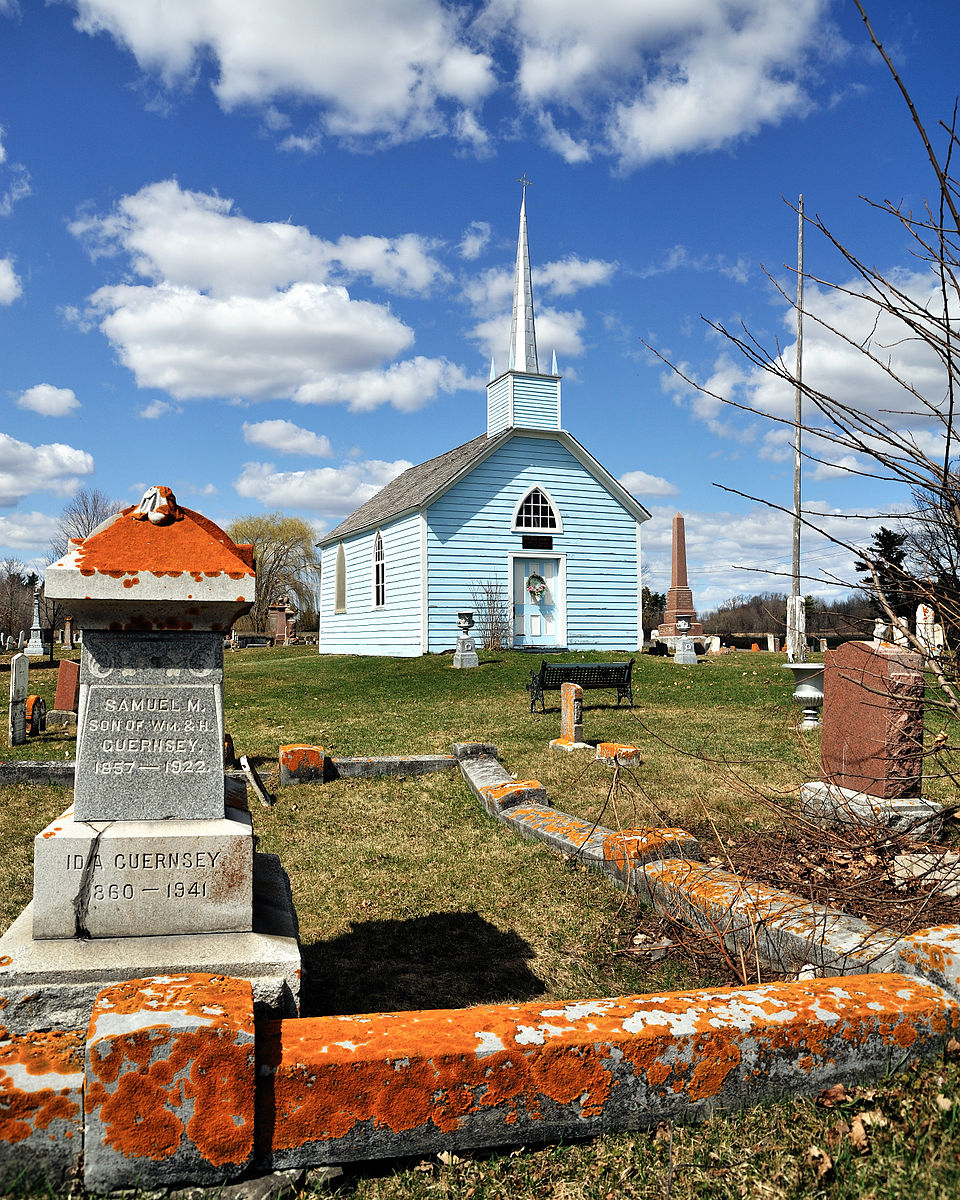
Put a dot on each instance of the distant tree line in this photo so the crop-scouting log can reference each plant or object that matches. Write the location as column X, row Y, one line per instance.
column 766, row 612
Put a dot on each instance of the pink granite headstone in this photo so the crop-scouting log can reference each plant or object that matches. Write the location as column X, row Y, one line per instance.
column 873, row 719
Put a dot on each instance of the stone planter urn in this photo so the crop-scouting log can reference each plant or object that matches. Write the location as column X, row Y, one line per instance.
column 808, row 691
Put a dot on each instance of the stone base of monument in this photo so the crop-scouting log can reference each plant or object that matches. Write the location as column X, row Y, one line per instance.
column 465, row 654
column 61, row 718
column 839, row 806
column 52, row 984
column 142, row 878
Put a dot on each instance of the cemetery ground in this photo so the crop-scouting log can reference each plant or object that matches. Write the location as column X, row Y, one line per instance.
column 410, row 896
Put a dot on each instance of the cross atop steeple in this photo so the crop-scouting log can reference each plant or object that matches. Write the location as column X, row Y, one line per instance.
column 523, row 337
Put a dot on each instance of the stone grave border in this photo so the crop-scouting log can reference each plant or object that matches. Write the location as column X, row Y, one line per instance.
column 335, row 1089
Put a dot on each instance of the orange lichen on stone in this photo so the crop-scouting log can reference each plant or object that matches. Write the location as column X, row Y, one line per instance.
column 169, row 1058
column 127, row 545
column 294, row 758
column 40, row 1080
column 370, row 1079
column 550, row 820
column 615, row 751
column 500, row 791
column 630, row 847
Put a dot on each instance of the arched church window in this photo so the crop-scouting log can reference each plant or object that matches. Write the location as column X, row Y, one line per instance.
column 537, row 511
column 340, row 582
column 379, row 573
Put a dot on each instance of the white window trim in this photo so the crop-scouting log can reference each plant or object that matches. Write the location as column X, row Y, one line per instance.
column 560, row 596
column 340, row 574
column 515, row 528
column 377, row 537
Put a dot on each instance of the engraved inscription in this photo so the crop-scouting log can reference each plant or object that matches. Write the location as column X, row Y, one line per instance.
column 171, row 733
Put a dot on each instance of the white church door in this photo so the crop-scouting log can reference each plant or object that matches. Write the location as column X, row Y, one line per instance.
column 536, row 583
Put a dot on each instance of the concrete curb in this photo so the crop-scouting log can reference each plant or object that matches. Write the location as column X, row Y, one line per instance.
column 311, row 764
column 495, row 787
column 169, row 1089
column 339, row 1089
column 41, row 1109
column 54, row 772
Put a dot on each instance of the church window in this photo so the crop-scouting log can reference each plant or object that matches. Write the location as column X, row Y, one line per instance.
column 537, row 511
column 340, row 582
column 379, row 574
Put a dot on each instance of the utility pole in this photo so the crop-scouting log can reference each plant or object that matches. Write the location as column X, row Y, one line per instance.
column 796, row 612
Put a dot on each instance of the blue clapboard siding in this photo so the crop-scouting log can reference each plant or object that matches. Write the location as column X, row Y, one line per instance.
column 393, row 629
column 469, row 538
column 536, row 402
column 498, row 405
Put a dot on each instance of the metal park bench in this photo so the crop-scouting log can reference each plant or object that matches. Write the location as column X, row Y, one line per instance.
column 588, row 675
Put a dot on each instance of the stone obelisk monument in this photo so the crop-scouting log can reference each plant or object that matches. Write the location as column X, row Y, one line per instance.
column 680, row 617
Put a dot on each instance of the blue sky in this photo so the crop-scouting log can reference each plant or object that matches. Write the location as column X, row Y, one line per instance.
column 262, row 253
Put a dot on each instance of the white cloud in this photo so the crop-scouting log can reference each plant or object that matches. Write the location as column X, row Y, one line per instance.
column 475, row 239
column 642, row 484
column 48, row 401
column 49, row 468
column 196, row 240
column 330, row 491
column 237, row 308
column 677, row 75
column 746, row 552
column 394, row 69
column 679, row 258
column 27, row 530
column 286, row 438
column 10, row 286
column 837, row 368
column 568, row 275
column 635, row 81
column 155, row 409
column 408, row 385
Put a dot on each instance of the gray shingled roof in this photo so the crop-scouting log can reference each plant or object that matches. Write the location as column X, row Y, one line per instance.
column 414, row 487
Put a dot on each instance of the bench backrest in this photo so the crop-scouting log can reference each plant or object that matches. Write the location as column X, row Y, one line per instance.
column 585, row 674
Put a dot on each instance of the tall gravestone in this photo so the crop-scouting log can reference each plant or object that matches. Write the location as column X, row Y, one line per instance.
column 19, row 683
column 873, row 719
column 35, row 647
column 679, row 616
column 150, row 866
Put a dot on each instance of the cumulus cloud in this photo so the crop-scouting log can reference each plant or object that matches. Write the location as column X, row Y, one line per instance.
column 52, row 468
column 27, row 530
column 392, row 69
column 642, row 484
column 258, row 310
column 10, row 286
column 408, row 385
column 835, row 366
column 328, row 491
column 630, row 81
column 475, row 239
column 286, row 438
column 745, row 552
column 48, row 401
column 14, row 179
column 196, row 240
column 155, row 409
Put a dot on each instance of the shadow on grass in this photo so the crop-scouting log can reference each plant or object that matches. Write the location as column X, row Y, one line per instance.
column 444, row 960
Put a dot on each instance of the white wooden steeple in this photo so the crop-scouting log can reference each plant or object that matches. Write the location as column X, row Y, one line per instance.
column 522, row 396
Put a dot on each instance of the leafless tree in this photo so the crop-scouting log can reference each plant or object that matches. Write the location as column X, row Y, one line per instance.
column 82, row 513
column 493, row 612
column 16, row 596
column 883, row 441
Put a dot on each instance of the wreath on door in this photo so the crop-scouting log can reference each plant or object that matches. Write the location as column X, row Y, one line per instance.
column 536, row 586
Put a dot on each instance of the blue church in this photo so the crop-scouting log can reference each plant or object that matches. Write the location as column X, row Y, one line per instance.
column 523, row 505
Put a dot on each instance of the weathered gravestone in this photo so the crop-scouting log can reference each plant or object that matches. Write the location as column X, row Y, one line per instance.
column 873, row 719
column 64, row 711
column 35, row 647
column 571, row 719
column 149, row 854
column 19, row 682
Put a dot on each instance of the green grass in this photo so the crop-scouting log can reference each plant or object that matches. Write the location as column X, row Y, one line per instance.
column 409, row 895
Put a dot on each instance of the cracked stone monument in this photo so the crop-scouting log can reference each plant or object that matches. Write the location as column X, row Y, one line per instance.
column 149, row 872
